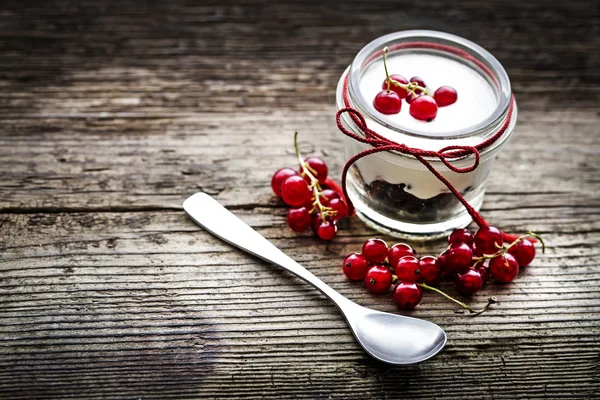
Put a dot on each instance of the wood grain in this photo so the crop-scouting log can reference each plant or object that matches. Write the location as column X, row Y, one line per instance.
column 111, row 113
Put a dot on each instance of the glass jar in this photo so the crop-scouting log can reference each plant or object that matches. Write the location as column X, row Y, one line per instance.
column 394, row 192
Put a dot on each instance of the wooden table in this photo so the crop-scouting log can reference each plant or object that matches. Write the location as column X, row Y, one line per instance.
column 112, row 113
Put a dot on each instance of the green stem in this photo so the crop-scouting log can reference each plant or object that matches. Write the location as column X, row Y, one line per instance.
column 387, row 75
column 297, row 149
column 477, row 261
column 491, row 300
column 314, row 182
column 488, row 256
column 502, row 250
column 528, row 234
column 411, row 87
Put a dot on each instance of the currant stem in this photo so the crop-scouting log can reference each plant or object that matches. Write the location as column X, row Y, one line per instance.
column 314, row 182
column 491, row 300
column 488, row 256
column 477, row 261
column 503, row 249
column 528, row 234
column 411, row 87
column 387, row 75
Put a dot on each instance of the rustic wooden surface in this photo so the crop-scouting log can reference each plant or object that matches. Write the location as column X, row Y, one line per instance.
column 111, row 113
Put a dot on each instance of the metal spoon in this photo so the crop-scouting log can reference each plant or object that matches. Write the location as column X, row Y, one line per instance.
column 391, row 338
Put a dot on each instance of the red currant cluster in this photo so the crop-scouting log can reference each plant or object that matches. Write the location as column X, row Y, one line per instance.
column 423, row 106
column 312, row 195
column 470, row 260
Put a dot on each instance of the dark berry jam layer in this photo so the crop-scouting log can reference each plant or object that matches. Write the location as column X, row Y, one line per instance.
column 392, row 200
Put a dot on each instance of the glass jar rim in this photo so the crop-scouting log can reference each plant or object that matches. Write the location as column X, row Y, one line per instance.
column 483, row 128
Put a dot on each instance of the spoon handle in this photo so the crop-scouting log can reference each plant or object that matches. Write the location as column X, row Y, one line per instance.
column 216, row 219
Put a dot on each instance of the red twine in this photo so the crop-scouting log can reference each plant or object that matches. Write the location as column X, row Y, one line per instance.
column 380, row 143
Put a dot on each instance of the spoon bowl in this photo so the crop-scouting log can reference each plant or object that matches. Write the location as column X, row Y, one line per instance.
column 396, row 339
column 391, row 338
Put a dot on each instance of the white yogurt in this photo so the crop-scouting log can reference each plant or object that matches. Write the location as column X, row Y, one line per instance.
column 420, row 182
column 476, row 102
column 476, row 98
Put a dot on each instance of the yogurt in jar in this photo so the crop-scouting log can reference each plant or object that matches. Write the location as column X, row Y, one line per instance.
column 396, row 193
column 476, row 101
column 476, row 97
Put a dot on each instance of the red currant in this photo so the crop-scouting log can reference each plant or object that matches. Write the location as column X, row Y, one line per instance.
column 399, row 90
column 484, row 272
column 327, row 195
column 504, row 268
column 387, row 102
column 316, row 222
column 469, row 282
column 340, row 207
column 429, row 270
column 476, row 251
column 355, row 266
column 295, row 191
column 407, row 269
column 375, row 250
column 445, row 96
column 488, row 239
column 461, row 236
column 378, row 279
column 423, row 108
column 411, row 97
column 318, row 168
column 523, row 252
column 278, row 178
column 443, row 259
column 419, row 81
column 309, row 203
column 407, row 295
column 298, row 219
column 327, row 230
column 459, row 258
column 398, row 251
